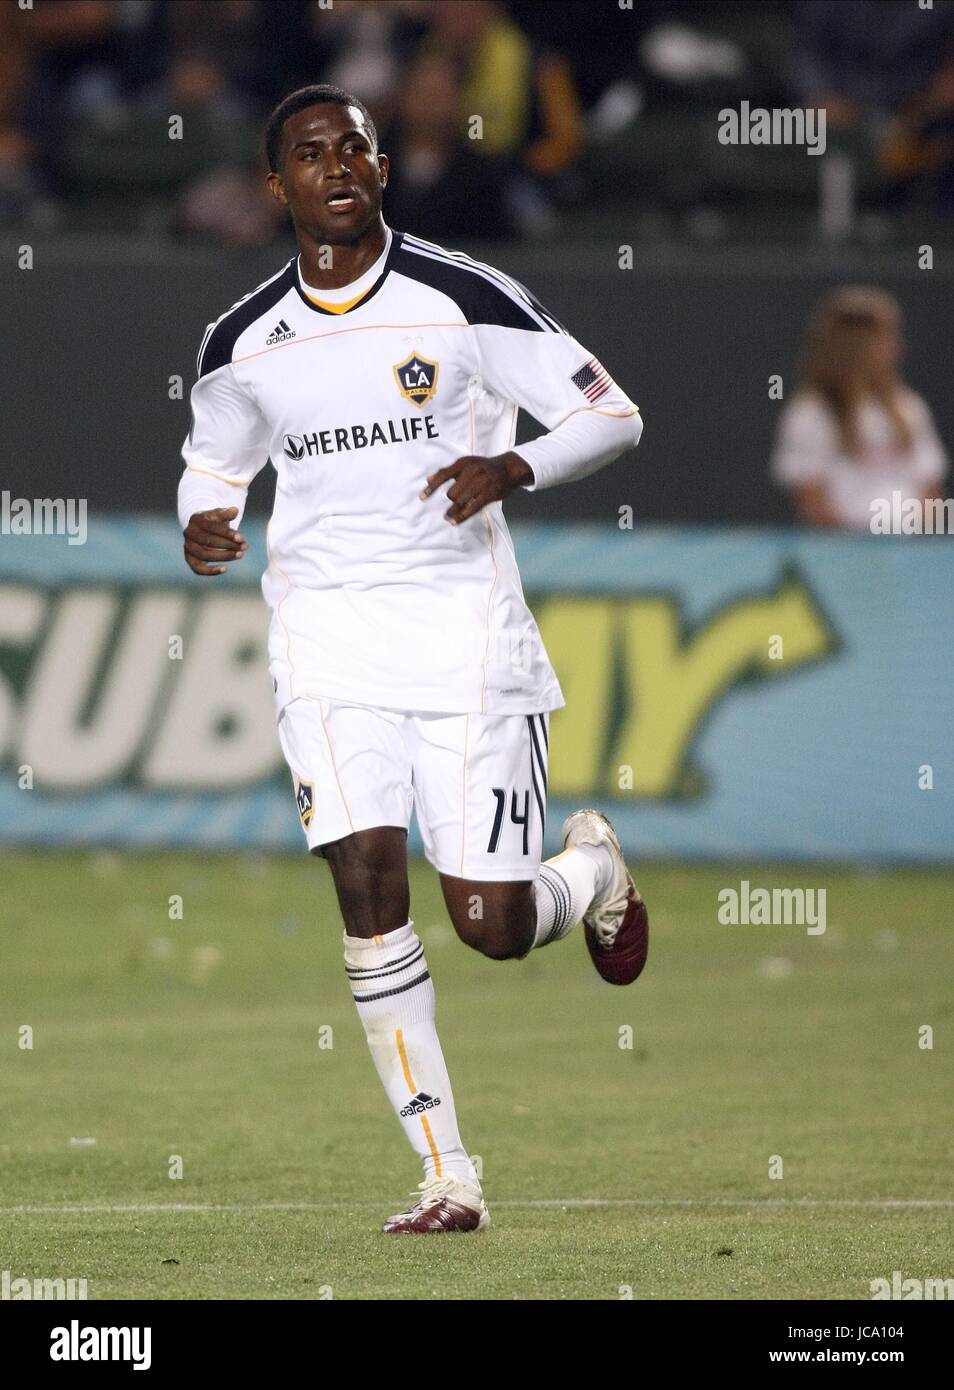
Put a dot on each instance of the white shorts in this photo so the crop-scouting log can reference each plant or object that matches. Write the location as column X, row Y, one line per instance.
column 478, row 782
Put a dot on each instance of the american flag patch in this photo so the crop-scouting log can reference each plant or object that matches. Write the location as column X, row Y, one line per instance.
column 593, row 380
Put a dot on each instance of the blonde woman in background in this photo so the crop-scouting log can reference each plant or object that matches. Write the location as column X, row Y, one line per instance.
column 854, row 431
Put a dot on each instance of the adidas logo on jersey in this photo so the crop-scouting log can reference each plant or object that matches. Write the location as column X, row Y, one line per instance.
column 279, row 333
column 422, row 1101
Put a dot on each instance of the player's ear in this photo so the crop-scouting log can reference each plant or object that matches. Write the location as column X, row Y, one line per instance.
column 276, row 187
column 384, row 164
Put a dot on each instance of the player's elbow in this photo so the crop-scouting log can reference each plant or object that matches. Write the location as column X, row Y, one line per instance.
column 627, row 433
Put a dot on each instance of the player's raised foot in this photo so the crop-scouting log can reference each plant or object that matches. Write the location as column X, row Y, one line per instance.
column 445, row 1204
column 616, row 924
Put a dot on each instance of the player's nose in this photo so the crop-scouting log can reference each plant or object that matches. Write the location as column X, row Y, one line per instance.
column 333, row 168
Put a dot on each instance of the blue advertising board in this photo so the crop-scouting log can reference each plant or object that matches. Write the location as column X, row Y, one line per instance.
column 729, row 692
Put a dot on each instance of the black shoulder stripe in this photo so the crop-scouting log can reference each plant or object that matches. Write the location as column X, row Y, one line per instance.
column 483, row 295
column 512, row 287
column 217, row 347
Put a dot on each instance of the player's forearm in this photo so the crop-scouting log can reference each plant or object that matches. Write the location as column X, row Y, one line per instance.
column 584, row 442
column 201, row 492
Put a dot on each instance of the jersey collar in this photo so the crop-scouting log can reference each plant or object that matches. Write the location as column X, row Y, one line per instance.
column 338, row 311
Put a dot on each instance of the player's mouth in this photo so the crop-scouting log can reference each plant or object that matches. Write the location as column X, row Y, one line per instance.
column 342, row 200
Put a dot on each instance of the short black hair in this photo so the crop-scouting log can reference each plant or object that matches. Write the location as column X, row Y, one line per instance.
column 297, row 101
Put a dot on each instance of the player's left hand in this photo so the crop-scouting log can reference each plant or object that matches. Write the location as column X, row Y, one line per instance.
column 478, row 481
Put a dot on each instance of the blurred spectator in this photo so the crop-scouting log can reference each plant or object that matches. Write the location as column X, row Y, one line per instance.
column 41, row 50
column 204, row 48
column 230, row 206
column 360, row 45
column 854, row 431
column 919, row 149
column 86, row 87
column 438, row 187
column 524, row 94
column 602, row 54
column 74, row 67
column 373, row 43
column 869, row 55
column 889, row 66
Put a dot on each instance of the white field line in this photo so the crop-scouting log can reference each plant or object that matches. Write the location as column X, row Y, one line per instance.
column 793, row 1203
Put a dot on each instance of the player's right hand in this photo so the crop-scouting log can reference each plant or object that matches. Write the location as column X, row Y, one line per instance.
column 210, row 541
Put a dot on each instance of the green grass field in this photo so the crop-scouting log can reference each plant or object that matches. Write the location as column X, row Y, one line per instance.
column 603, row 1167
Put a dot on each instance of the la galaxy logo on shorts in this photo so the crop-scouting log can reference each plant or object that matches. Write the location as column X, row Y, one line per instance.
column 416, row 378
column 305, row 796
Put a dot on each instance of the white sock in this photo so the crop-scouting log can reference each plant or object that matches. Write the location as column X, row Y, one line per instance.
column 566, row 886
column 395, row 997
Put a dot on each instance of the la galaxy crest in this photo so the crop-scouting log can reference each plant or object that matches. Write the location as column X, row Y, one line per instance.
column 416, row 378
column 305, row 796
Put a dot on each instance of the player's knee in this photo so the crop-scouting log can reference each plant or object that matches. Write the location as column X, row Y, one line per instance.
column 505, row 945
column 497, row 919
column 499, row 936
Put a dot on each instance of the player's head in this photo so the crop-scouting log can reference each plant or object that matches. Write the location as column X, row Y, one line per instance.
column 323, row 161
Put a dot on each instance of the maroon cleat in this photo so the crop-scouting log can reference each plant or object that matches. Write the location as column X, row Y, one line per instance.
column 445, row 1204
column 616, row 923
column 623, row 961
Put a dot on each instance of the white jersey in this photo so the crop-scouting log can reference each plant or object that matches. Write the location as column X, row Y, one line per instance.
column 356, row 398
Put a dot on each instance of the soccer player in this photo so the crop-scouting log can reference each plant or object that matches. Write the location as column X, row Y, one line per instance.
column 381, row 374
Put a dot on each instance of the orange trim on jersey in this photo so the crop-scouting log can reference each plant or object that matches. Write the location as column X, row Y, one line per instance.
column 595, row 410
column 399, row 1040
column 333, row 308
column 358, row 328
column 211, row 473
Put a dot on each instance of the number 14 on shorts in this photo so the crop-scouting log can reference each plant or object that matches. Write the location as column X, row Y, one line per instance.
column 522, row 820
